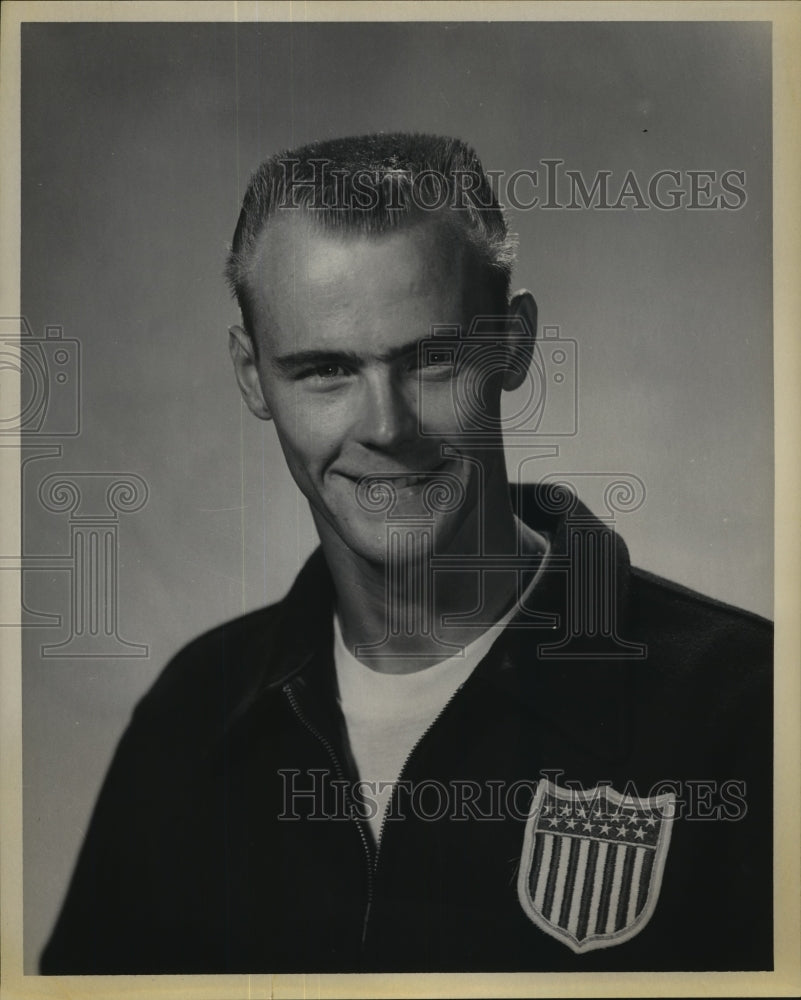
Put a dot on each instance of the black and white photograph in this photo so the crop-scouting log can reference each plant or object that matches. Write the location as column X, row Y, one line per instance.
column 394, row 407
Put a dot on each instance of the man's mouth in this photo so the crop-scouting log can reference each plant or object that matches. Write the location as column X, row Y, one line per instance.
column 402, row 482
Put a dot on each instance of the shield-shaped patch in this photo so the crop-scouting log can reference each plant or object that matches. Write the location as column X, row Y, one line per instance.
column 592, row 863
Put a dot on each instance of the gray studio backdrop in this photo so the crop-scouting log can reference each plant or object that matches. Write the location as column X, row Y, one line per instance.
column 152, row 496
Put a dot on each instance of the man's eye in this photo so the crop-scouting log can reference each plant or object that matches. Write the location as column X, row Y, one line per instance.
column 324, row 372
column 432, row 359
column 436, row 364
column 436, row 359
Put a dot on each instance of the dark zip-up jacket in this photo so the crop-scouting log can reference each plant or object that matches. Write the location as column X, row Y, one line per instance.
column 200, row 859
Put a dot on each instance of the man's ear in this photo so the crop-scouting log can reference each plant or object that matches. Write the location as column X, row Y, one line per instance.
column 243, row 356
column 523, row 309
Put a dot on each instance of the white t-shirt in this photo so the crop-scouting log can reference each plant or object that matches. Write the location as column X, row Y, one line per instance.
column 387, row 714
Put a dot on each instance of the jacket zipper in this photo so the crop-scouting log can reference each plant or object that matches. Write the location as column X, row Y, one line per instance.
column 341, row 777
column 371, row 857
column 397, row 782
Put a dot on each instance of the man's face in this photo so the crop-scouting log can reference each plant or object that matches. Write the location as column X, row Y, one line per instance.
column 338, row 319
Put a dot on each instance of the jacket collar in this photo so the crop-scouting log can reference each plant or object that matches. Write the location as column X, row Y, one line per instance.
column 572, row 675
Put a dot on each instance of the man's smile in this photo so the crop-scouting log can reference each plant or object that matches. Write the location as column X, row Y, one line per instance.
column 401, row 479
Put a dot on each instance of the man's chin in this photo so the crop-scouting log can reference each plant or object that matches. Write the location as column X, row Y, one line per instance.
column 406, row 530
column 399, row 542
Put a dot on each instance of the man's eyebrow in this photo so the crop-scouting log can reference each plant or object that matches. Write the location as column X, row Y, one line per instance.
column 288, row 363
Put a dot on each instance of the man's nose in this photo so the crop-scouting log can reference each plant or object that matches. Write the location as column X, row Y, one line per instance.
column 387, row 417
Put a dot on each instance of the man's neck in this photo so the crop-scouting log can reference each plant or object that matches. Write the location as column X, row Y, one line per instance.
column 394, row 615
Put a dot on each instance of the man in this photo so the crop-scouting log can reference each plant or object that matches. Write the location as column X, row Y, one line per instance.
column 471, row 737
